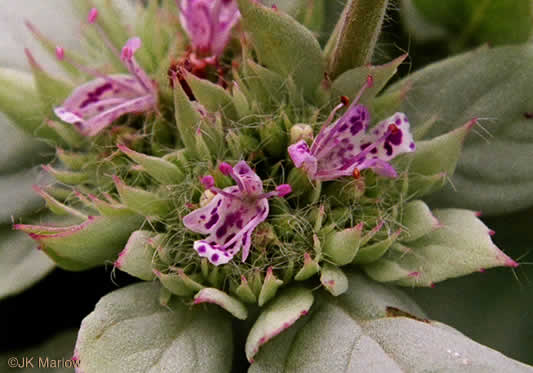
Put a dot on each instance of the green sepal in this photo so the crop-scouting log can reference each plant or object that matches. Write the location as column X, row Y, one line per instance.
column 417, row 220
column 350, row 82
column 223, row 300
column 57, row 207
column 245, row 293
column 240, row 143
column 256, row 283
column 371, row 253
column 187, row 117
column 136, row 258
column 213, row 97
column 67, row 133
column 174, row 283
column 271, row 82
column 421, row 185
column 342, row 247
column 274, row 138
column 51, row 91
column 240, row 101
column 141, row 201
column 283, row 45
column 67, row 177
column 346, row 191
column 19, row 101
column 160, row 169
column 215, row 278
column 300, row 182
column 308, row 270
column 333, row 279
column 461, row 245
column 270, row 287
column 73, row 160
column 87, row 245
column 108, row 209
column 440, row 154
column 189, row 281
column 165, row 296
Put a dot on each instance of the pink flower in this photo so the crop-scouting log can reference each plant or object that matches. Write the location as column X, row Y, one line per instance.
column 232, row 215
column 94, row 105
column 344, row 148
column 208, row 23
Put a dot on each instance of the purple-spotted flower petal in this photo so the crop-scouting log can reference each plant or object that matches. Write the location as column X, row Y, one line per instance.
column 208, row 23
column 94, row 105
column 232, row 215
column 344, row 147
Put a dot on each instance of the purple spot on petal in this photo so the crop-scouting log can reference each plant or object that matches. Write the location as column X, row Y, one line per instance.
column 412, row 146
column 212, row 221
column 214, row 257
column 202, row 249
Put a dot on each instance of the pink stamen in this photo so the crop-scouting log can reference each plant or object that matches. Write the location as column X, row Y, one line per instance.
column 93, row 15
column 208, row 181
column 225, row 168
column 60, row 53
column 284, row 189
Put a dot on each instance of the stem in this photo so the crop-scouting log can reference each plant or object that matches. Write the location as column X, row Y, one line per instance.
column 358, row 31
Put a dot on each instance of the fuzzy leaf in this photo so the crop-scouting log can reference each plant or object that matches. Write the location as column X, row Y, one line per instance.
column 141, row 201
column 136, row 258
column 278, row 316
column 283, row 45
column 17, row 197
column 358, row 31
column 494, row 174
column 87, row 245
column 213, row 97
column 418, row 221
column 461, row 246
column 129, row 331
column 18, row 150
column 472, row 21
column 342, row 247
column 21, row 264
column 350, row 82
column 160, row 169
column 333, row 279
column 373, row 329
column 230, row 304
column 20, row 102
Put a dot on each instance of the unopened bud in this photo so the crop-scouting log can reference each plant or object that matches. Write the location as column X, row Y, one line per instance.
column 301, row 132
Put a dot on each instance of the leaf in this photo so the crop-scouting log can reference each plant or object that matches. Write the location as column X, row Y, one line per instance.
column 373, row 329
column 17, row 197
column 18, row 150
column 230, row 304
column 474, row 21
column 160, row 169
column 21, row 264
column 87, row 245
column 136, row 258
column 129, row 331
column 350, row 82
column 358, row 31
column 54, row 355
column 495, row 173
column 460, row 246
column 278, row 316
column 333, row 279
column 283, row 45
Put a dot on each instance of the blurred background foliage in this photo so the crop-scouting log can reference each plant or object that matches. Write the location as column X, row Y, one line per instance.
column 494, row 308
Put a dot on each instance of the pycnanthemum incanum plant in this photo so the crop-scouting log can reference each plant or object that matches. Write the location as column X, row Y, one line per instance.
column 214, row 163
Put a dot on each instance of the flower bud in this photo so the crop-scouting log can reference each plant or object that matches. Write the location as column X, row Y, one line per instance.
column 301, row 132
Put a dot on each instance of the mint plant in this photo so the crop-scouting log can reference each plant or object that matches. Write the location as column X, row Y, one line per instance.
column 269, row 194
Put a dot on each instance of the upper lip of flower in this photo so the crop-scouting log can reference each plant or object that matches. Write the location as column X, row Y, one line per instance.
column 208, row 23
column 96, row 104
